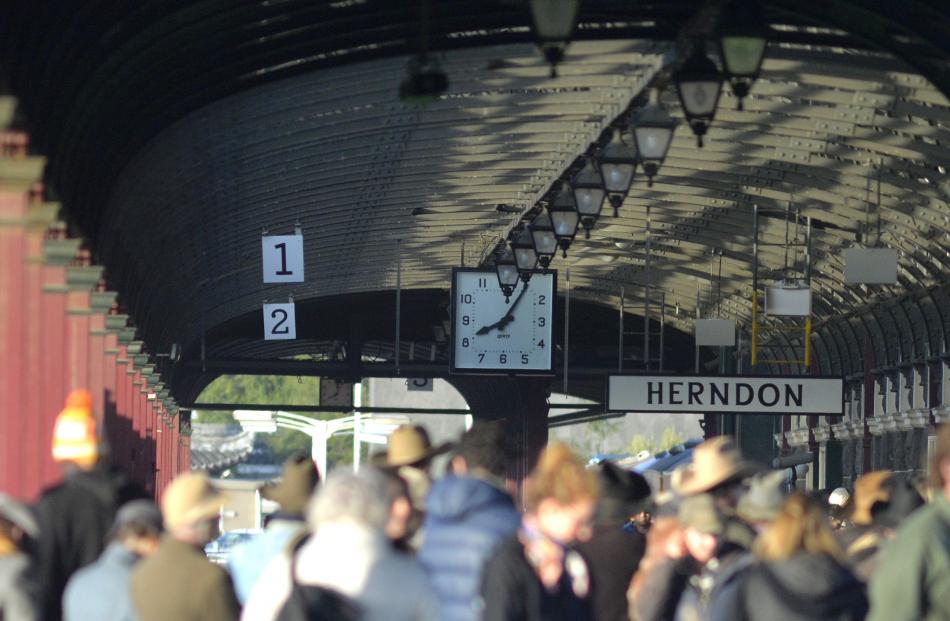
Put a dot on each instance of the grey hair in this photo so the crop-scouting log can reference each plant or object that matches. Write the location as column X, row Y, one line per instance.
column 360, row 497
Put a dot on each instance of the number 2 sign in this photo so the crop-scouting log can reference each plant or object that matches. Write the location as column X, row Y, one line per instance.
column 283, row 258
column 280, row 322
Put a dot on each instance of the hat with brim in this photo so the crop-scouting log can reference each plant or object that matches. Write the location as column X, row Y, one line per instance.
column 190, row 499
column 141, row 513
column 699, row 512
column 409, row 445
column 715, row 462
column 869, row 489
column 623, row 493
column 297, row 482
column 19, row 515
column 764, row 499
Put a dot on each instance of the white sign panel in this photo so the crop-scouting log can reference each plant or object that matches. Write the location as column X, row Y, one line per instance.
column 720, row 332
column 759, row 394
column 283, row 258
column 419, row 384
column 280, row 322
column 870, row 266
column 787, row 302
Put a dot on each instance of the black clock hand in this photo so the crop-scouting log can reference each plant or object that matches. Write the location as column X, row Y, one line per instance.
column 506, row 319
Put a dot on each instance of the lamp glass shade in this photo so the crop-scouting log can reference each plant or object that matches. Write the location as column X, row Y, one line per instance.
column 617, row 177
column 618, row 162
column 542, row 234
column 523, row 248
column 565, row 223
column 742, row 55
column 589, row 191
column 699, row 98
column 554, row 20
column 653, row 142
column 507, row 274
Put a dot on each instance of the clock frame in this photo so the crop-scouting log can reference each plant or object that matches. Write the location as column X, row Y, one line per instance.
column 486, row 309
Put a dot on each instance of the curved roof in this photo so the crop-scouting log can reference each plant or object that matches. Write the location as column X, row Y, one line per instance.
column 185, row 128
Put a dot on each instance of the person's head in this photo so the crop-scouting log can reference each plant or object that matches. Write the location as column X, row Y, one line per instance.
column 190, row 509
column 703, row 524
column 17, row 524
column 561, row 493
column 138, row 527
column 297, row 482
column 356, row 498
column 762, row 502
column 799, row 527
column 940, row 464
column 403, row 519
column 624, row 495
column 76, row 440
column 485, row 449
column 903, row 500
column 666, row 538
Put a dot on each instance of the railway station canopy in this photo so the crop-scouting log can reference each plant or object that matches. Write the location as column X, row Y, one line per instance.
column 176, row 133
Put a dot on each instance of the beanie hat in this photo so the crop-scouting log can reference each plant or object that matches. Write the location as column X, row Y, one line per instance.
column 623, row 494
column 75, row 437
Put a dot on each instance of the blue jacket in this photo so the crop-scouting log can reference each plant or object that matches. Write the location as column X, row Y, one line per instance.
column 465, row 519
column 101, row 591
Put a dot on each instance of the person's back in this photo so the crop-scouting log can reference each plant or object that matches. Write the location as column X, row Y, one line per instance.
column 177, row 581
column 75, row 516
column 805, row 587
column 467, row 518
column 913, row 576
column 17, row 591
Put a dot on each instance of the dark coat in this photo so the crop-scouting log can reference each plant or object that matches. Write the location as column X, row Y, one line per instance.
column 663, row 588
column 806, row 587
column 613, row 555
column 513, row 592
column 74, row 519
column 466, row 519
column 178, row 582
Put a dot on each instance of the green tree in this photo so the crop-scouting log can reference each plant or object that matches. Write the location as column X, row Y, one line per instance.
column 670, row 438
column 604, row 435
column 641, row 443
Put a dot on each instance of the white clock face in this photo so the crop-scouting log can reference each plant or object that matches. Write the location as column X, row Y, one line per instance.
column 489, row 335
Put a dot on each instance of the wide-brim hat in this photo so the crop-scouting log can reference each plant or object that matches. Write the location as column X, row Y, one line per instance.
column 869, row 489
column 190, row 499
column 623, row 493
column 410, row 444
column 715, row 462
column 764, row 499
column 297, row 482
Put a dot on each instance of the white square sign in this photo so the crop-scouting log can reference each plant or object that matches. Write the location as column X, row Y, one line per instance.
column 282, row 258
column 720, row 332
column 280, row 323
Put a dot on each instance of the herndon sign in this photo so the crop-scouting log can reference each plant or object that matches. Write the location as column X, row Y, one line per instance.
column 758, row 394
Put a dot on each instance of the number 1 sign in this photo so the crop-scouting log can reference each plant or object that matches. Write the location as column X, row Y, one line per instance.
column 280, row 322
column 283, row 258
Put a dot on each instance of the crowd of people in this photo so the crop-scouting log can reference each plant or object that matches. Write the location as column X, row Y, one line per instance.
column 393, row 542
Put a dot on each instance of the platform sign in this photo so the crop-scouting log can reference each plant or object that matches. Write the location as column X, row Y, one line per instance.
column 870, row 266
column 422, row 384
column 716, row 332
column 282, row 258
column 759, row 394
column 280, row 322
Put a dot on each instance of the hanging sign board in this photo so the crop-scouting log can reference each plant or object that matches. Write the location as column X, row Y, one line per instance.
column 759, row 394
column 870, row 266
column 423, row 384
column 283, row 258
column 721, row 332
column 280, row 323
column 787, row 301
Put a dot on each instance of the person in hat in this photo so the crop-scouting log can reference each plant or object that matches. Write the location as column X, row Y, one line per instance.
column 839, row 505
column 718, row 469
column 101, row 591
column 410, row 454
column 75, row 516
column 18, row 529
column 802, row 571
column 612, row 552
column 913, row 576
column 707, row 554
column 862, row 540
column 291, row 493
column 469, row 512
column 177, row 581
column 347, row 553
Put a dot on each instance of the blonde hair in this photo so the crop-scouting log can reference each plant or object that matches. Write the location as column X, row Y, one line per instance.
column 561, row 476
column 801, row 526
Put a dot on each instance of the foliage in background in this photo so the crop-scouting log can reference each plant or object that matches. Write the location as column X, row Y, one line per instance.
column 603, row 433
column 669, row 438
column 275, row 389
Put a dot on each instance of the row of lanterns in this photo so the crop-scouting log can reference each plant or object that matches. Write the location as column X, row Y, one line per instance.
column 642, row 139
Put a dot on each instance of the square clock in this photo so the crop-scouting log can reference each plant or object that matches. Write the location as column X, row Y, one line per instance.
column 491, row 336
